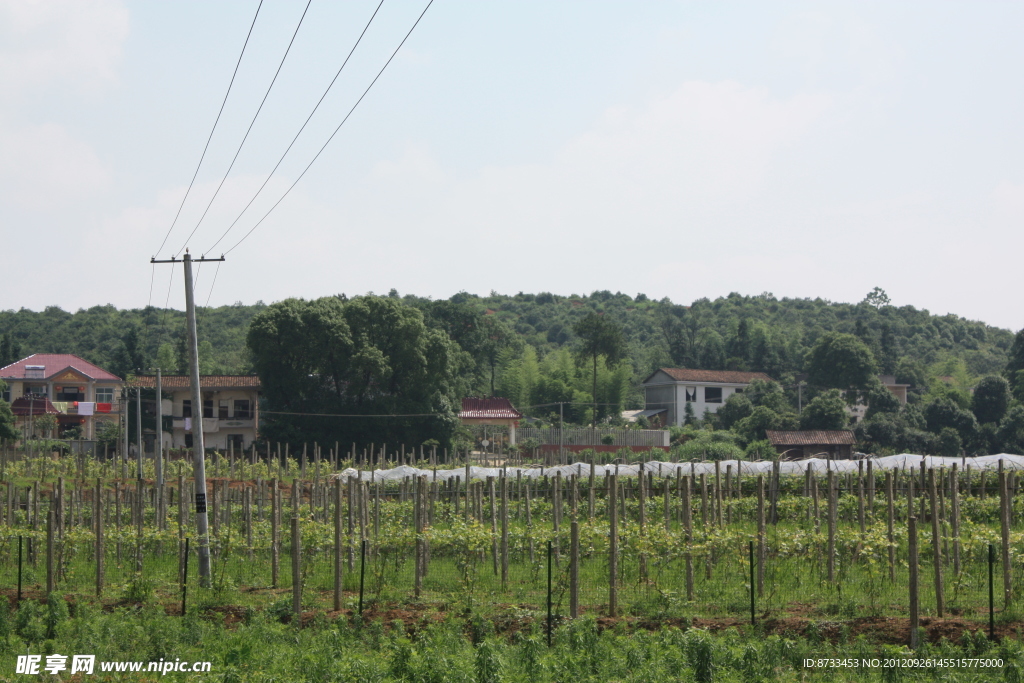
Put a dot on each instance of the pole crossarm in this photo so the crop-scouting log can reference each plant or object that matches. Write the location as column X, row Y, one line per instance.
column 201, row 259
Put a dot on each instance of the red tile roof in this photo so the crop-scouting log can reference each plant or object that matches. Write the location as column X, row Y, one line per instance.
column 35, row 405
column 205, row 381
column 722, row 376
column 816, row 437
column 488, row 409
column 55, row 363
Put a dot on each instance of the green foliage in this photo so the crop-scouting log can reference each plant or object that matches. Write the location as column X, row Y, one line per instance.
column 841, row 361
column 1011, row 431
column 706, row 444
column 8, row 432
column 370, row 355
column 1015, row 365
column 991, row 399
column 825, row 411
column 760, row 420
column 881, row 400
column 735, row 408
column 949, row 443
column 599, row 337
column 877, row 298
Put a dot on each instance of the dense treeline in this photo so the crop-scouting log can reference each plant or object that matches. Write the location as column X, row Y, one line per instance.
column 532, row 348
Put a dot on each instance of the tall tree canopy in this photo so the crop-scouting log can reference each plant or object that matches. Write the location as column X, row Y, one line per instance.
column 841, row 361
column 599, row 338
column 366, row 356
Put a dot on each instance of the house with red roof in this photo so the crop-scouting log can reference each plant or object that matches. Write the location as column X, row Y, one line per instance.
column 78, row 392
column 494, row 411
column 230, row 412
column 672, row 389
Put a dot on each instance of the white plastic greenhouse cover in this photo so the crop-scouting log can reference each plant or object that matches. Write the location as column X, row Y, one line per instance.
column 904, row 461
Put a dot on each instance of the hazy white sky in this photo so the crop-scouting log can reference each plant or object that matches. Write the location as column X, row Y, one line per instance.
column 680, row 149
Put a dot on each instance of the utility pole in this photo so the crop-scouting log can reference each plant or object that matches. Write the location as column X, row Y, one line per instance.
column 159, row 447
column 198, row 446
column 138, row 428
column 124, row 404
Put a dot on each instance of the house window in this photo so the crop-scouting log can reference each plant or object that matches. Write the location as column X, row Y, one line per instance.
column 236, row 441
column 69, row 394
column 208, row 408
column 242, row 410
column 222, row 409
column 36, row 391
column 691, row 394
column 739, row 390
column 712, row 394
column 105, row 395
column 7, row 395
column 188, row 441
column 186, row 408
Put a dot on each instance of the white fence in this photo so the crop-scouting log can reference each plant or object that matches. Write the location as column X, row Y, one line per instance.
column 906, row 461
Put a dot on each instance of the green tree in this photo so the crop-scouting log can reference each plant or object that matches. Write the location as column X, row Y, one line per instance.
column 949, row 443
column 10, row 350
column 45, row 425
column 825, row 411
column 7, row 429
column 881, row 400
column 497, row 337
column 166, row 359
column 991, row 399
column 130, row 359
column 841, row 361
column 735, row 408
column 599, row 338
column 1011, row 431
column 760, row 420
column 367, row 356
column 944, row 412
column 877, row 298
column 1014, row 370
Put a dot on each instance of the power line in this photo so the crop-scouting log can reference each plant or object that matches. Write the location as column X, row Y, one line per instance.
column 290, row 188
column 210, row 137
column 308, row 118
column 249, row 129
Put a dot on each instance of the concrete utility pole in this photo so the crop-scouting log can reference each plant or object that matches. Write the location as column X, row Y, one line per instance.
column 159, row 448
column 138, row 427
column 198, row 446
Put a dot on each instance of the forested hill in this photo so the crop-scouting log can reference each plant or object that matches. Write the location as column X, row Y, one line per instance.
column 734, row 332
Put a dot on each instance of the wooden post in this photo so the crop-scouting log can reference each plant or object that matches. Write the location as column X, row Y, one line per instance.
column 954, row 493
column 297, row 570
column 504, row 532
column 760, row 535
column 1004, row 518
column 915, row 621
column 613, row 547
column 50, row 523
column 275, row 522
column 97, row 507
column 831, row 513
column 890, row 517
column 338, row 563
column 936, row 544
column 688, row 535
column 574, row 569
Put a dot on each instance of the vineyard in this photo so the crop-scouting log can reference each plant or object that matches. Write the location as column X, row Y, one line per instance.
column 894, row 557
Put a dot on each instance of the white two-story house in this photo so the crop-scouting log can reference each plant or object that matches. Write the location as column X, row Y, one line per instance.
column 230, row 411
column 671, row 389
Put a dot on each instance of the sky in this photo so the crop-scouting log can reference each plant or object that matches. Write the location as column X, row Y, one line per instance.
column 679, row 149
